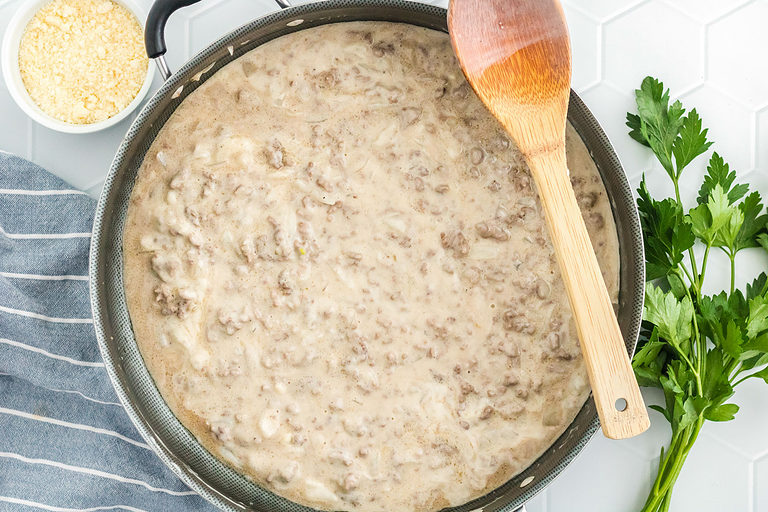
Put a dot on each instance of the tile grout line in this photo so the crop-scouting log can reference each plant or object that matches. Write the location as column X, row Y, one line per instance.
column 622, row 12
column 751, row 493
column 691, row 89
column 725, row 14
column 735, row 99
column 706, row 434
column 761, row 455
column 672, row 5
column 730, row 11
column 600, row 53
column 588, row 15
column 637, row 451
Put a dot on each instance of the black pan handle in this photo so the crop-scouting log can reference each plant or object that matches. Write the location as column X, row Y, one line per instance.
column 154, row 31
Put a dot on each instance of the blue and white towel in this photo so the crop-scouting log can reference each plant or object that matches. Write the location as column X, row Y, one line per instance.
column 66, row 444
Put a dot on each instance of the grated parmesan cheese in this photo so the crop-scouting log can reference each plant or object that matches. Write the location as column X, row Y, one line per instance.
column 83, row 61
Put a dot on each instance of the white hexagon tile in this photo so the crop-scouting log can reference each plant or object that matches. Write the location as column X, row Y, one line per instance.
column 712, row 54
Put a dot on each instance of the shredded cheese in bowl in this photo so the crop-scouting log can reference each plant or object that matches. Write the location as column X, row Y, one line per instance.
column 83, row 61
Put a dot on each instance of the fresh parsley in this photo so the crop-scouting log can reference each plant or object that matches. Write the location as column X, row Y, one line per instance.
column 695, row 348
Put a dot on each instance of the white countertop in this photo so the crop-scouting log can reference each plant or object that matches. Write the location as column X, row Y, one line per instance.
column 711, row 54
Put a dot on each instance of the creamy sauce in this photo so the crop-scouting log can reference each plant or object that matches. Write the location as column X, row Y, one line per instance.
column 340, row 278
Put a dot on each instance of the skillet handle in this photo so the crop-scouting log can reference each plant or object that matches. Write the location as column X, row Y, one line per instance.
column 154, row 31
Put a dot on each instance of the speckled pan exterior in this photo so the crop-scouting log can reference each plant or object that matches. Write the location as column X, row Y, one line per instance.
column 171, row 441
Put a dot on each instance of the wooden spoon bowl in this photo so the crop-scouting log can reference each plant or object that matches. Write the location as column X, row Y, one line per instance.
column 516, row 55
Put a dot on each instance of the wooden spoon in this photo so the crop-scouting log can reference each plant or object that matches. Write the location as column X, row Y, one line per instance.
column 516, row 55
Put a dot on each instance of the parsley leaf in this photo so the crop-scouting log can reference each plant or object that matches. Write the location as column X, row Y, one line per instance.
column 756, row 347
column 756, row 361
column 724, row 412
column 674, row 138
column 758, row 316
column 659, row 122
column 716, row 385
column 691, row 140
column 762, row 374
column 649, row 360
column 732, row 340
column 726, row 236
column 636, row 132
column 762, row 239
column 671, row 316
column 719, row 173
column 666, row 234
column 754, row 222
column 757, row 287
column 707, row 219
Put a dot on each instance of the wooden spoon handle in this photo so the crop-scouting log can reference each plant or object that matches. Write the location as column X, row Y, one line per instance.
column 602, row 345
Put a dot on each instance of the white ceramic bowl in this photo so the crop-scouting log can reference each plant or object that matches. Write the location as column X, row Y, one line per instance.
column 10, row 66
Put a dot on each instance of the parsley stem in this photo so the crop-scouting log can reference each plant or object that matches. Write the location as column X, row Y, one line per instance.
column 660, row 497
column 693, row 369
column 701, row 353
column 660, row 471
column 703, row 268
column 687, row 274
column 698, row 346
column 732, row 256
column 690, row 250
column 742, row 379
column 733, row 366
column 666, row 502
column 651, row 503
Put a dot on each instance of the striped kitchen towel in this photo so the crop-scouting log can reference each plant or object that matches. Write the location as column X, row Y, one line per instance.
column 66, row 444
